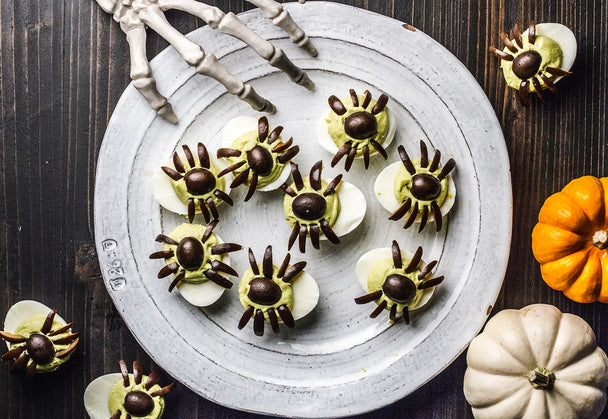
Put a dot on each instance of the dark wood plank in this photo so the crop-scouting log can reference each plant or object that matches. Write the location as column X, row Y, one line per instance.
column 63, row 67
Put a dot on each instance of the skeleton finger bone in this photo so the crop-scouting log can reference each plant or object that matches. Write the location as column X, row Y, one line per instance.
column 206, row 64
column 230, row 24
column 281, row 18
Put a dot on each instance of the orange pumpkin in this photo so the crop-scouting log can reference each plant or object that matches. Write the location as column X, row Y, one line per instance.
column 570, row 240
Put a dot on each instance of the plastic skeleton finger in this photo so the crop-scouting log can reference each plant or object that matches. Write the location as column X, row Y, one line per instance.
column 281, row 18
column 230, row 24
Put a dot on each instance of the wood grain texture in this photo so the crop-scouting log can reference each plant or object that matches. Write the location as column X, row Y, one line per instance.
column 63, row 67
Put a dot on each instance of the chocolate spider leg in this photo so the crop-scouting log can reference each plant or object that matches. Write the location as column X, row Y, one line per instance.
column 393, row 313
column 230, row 24
column 332, row 185
column 141, row 73
column 280, row 147
column 66, row 339
column 220, row 280
column 315, row 176
column 171, row 173
column 286, row 316
column 380, row 104
column 423, row 218
column 412, row 217
column 406, row 315
column 340, row 153
column 212, row 208
column 203, row 156
column 31, row 369
column 549, row 83
column 517, row 35
column 430, row 283
column 396, row 254
column 48, row 322
column 368, row 298
column 168, row 270
column 274, row 321
column 288, row 190
column 532, row 32
column 223, row 196
column 505, row 40
column 240, row 179
column 204, row 211
column 302, row 237
column 252, row 262
column 293, row 236
column 379, row 148
column 258, row 323
column 435, row 162
column 176, row 280
column 352, row 153
column 137, row 372
column 163, row 391
column 288, row 154
column 116, row 415
column 205, row 64
column 177, row 162
column 353, row 97
column 161, row 238
column 314, row 235
column 336, row 105
column 449, row 166
column 281, row 18
column 501, row 54
column 297, row 176
column 189, row 156
column 13, row 353
column 161, row 254
column 11, row 337
column 424, row 155
column 524, row 91
column 329, row 233
column 405, row 159
column 21, row 362
column 253, row 183
column 246, row 317
column 367, row 99
column 437, row 215
column 365, row 150
column 378, row 309
column 227, row 152
column 293, row 271
column 124, row 371
column 426, row 270
column 414, row 261
column 267, row 268
column 402, row 210
column 219, row 266
column 221, row 248
column 538, row 88
column 283, row 266
column 69, row 350
column 557, row 71
column 153, row 378
column 262, row 128
column 275, row 134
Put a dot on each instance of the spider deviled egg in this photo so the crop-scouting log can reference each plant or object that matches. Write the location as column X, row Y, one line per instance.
column 38, row 339
column 257, row 156
column 356, row 126
column 395, row 281
column 274, row 294
column 123, row 395
column 199, row 262
column 421, row 190
column 321, row 209
column 536, row 59
column 190, row 184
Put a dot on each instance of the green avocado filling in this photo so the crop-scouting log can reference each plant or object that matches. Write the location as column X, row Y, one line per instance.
column 549, row 50
column 378, row 274
column 182, row 193
column 335, row 124
column 403, row 183
column 245, row 143
column 119, row 391
column 194, row 230
column 33, row 325
column 286, row 292
column 332, row 209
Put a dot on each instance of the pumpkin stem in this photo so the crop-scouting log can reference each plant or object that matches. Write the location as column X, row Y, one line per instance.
column 600, row 239
column 541, row 378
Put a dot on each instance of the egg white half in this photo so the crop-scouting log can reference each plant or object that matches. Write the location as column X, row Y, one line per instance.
column 97, row 393
column 242, row 125
column 22, row 311
column 564, row 37
column 305, row 295
column 163, row 190
column 383, row 189
column 352, row 209
column 328, row 144
column 368, row 260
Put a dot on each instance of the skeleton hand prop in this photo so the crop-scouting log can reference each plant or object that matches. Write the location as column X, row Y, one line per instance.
column 135, row 15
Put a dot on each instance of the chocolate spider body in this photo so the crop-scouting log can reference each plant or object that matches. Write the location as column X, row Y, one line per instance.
column 53, row 340
column 199, row 182
column 402, row 286
column 424, row 187
column 358, row 119
column 141, row 394
column 313, row 203
column 257, row 159
column 195, row 258
column 528, row 63
column 267, row 294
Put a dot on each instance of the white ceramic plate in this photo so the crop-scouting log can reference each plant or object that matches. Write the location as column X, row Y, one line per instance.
column 337, row 361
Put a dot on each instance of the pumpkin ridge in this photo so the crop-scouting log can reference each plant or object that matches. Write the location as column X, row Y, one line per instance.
column 553, row 317
column 584, row 189
column 550, row 243
column 559, row 209
column 551, row 274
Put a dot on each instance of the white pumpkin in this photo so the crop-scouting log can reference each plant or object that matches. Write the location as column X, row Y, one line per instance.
column 536, row 362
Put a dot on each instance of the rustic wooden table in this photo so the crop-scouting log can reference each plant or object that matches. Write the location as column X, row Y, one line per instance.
column 63, row 67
